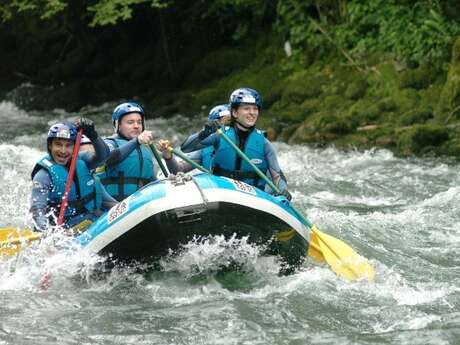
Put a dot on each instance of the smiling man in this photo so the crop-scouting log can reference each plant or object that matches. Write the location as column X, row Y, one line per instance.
column 130, row 164
column 245, row 106
column 87, row 199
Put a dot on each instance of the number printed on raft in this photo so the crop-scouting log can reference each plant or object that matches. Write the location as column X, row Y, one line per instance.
column 118, row 210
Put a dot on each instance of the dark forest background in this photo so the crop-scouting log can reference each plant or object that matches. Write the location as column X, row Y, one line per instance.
column 351, row 73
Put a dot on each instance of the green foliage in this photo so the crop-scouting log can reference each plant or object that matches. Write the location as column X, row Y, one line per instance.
column 418, row 79
column 356, row 89
column 416, row 116
column 450, row 96
column 44, row 8
column 410, row 30
column 237, row 17
column 106, row 12
column 103, row 12
column 422, row 138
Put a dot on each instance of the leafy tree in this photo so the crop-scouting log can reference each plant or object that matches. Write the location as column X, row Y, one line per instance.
column 410, row 30
column 111, row 11
column 413, row 30
column 103, row 12
column 44, row 8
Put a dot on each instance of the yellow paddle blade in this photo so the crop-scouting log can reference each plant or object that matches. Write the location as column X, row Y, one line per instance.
column 314, row 248
column 285, row 236
column 12, row 240
column 343, row 260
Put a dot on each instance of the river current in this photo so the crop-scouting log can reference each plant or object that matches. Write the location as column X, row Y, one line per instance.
column 402, row 214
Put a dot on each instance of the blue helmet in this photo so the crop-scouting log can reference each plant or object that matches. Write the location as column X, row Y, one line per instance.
column 245, row 95
column 126, row 108
column 63, row 130
column 219, row 111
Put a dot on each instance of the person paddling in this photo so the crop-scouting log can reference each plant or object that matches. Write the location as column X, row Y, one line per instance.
column 130, row 165
column 203, row 157
column 87, row 199
column 245, row 106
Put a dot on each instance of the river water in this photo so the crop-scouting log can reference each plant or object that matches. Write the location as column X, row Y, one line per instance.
column 402, row 214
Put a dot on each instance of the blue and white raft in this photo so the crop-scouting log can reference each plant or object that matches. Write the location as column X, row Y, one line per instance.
column 167, row 213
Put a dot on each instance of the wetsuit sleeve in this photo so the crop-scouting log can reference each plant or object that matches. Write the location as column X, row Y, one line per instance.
column 175, row 166
column 41, row 186
column 117, row 154
column 107, row 200
column 274, row 169
column 195, row 142
column 93, row 160
column 195, row 156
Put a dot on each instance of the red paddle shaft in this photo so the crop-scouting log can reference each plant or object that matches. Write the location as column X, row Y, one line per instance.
column 68, row 183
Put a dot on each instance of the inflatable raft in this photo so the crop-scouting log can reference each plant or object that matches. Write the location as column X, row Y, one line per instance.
column 167, row 213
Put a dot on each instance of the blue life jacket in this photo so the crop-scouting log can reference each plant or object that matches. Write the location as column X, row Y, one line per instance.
column 129, row 175
column 225, row 158
column 207, row 155
column 85, row 195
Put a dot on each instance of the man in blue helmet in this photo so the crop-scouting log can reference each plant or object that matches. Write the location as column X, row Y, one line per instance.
column 203, row 157
column 87, row 199
column 130, row 164
column 245, row 105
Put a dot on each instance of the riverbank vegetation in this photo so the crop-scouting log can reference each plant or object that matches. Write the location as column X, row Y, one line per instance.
column 349, row 73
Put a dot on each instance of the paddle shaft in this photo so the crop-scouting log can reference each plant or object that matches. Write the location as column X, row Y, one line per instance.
column 158, row 158
column 70, row 175
column 258, row 172
column 188, row 160
column 263, row 176
column 247, row 160
column 256, row 169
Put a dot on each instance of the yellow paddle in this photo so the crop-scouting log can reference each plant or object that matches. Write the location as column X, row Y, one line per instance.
column 341, row 257
column 13, row 240
column 344, row 261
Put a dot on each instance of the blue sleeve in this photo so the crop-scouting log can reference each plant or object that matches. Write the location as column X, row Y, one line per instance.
column 107, row 200
column 194, row 143
column 117, row 154
column 41, row 186
column 93, row 160
column 195, row 156
column 274, row 170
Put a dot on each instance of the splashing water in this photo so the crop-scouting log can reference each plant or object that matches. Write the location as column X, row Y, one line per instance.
column 402, row 214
